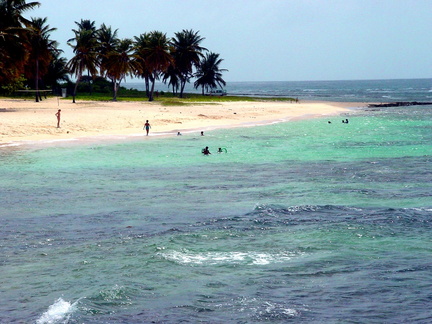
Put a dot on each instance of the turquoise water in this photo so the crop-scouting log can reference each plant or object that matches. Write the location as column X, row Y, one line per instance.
column 305, row 221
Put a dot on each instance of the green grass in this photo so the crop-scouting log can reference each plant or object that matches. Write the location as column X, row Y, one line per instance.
column 166, row 98
column 188, row 98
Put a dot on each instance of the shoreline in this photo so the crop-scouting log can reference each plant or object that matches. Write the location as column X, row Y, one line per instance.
column 25, row 122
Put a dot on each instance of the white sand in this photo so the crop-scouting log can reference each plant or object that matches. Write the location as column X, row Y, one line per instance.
column 26, row 120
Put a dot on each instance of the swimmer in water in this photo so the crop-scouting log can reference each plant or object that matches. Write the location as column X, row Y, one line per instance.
column 206, row 151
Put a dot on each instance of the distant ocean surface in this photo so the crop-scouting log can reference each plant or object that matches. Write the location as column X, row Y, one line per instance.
column 342, row 91
column 299, row 222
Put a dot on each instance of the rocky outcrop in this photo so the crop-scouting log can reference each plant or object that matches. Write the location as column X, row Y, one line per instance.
column 399, row 104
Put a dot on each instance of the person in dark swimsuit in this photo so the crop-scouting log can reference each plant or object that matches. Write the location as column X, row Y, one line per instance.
column 206, row 151
column 147, row 126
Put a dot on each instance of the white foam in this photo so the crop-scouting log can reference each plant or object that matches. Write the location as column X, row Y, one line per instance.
column 59, row 140
column 58, row 312
column 214, row 258
column 271, row 308
column 419, row 209
column 10, row 144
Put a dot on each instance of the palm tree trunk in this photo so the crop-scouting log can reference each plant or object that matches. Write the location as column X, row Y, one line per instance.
column 76, row 87
column 182, row 86
column 90, row 83
column 37, row 81
column 152, row 88
column 147, row 86
column 116, row 87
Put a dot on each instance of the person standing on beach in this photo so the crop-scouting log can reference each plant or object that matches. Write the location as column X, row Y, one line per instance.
column 147, row 126
column 58, row 118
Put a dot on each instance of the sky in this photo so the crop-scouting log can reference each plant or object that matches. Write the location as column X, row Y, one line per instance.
column 274, row 40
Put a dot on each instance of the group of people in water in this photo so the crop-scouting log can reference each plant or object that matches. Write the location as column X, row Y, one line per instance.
column 204, row 151
column 344, row 121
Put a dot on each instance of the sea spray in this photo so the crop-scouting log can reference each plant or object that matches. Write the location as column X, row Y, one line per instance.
column 59, row 312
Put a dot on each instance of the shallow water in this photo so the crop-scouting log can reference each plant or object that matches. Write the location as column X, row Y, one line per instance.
column 303, row 221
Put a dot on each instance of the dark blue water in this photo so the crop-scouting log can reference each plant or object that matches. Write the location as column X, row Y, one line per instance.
column 344, row 91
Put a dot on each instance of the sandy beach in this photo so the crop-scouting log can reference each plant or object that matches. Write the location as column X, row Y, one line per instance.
column 28, row 121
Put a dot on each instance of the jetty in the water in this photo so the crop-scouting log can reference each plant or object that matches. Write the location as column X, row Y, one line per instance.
column 399, row 104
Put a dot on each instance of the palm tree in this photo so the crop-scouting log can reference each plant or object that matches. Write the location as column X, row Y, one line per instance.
column 41, row 49
column 84, row 24
column 118, row 64
column 85, row 50
column 13, row 56
column 56, row 71
column 187, row 53
column 13, row 53
column 141, row 69
column 172, row 76
column 107, row 42
column 11, row 13
column 157, row 56
column 209, row 75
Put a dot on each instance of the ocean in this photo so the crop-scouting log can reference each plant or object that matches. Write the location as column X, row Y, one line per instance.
column 298, row 222
column 342, row 91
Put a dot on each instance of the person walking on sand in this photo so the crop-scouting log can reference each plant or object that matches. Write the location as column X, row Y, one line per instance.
column 147, row 126
column 58, row 118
